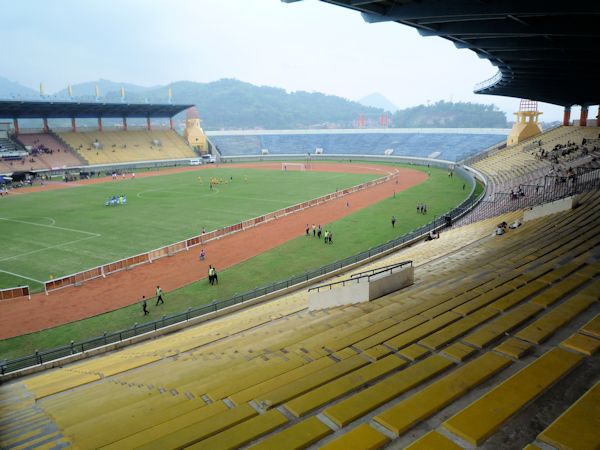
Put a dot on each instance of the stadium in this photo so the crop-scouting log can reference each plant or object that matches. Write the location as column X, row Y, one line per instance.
column 376, row 288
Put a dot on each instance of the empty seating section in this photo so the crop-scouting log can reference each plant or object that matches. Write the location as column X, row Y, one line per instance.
column 490, row 325
column 447, row 146
column 108, row 147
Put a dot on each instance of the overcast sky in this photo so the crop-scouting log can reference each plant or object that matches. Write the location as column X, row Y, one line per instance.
column 308, row 45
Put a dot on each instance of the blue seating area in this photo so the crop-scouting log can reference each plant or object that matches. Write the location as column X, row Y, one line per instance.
column 448, row 146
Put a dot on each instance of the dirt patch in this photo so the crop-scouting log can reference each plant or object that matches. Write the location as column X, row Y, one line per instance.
column 21, row 316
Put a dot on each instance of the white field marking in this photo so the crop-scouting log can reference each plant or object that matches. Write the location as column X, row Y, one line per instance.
column 48, row 248
column 21, row 276
column 52, row 221
column 139, row 194
column 50, row 226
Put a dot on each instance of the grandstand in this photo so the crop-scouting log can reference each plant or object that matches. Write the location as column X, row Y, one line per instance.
column 522, row 163
column 451, row 145
column 46, row 149
column 487, row 316
column 109, row 146
column 48, row 152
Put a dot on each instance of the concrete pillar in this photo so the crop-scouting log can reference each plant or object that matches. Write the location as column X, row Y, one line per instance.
column 16, row 125
column 125, row 123
column 73, row 125
column 46, row 127
column 148, row 124
column 583, row 116
column 567, row 116
column 99, row 123
column 171, row 123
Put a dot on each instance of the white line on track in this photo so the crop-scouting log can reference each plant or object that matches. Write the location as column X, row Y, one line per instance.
column 21, row 276
column 48, row 248
column 50, row 226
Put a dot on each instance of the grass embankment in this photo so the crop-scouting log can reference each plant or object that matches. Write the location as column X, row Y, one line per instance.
column 352, row 234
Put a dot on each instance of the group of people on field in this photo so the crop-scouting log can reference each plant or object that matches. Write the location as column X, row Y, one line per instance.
column 317, row 231
column 116, row 200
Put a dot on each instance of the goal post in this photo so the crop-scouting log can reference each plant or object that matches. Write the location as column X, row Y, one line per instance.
column 293, row 166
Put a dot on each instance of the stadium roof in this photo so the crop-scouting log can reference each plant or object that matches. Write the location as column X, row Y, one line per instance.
column 65, row 110
column 545, row 50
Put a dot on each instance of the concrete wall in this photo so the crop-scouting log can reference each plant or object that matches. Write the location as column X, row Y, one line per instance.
column 339, row 295
column 564, row 204
column 360, row 290
column 384, row 283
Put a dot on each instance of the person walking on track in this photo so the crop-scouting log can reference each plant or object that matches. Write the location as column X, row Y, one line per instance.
column 145, row 305
column 211, row 278
column 159, row 296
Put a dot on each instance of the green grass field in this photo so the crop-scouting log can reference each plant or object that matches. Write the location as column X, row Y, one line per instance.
column 352, row 234
column 60, row 232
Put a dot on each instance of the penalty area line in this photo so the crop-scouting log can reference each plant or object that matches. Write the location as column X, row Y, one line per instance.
column 48, row 248
column 21, row 276
column 50, row 226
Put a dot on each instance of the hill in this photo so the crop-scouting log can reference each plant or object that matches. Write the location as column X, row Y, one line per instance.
column 451, row 115
column 377, row 100
column 86, row 91
column 12, row 90
column 234, row 104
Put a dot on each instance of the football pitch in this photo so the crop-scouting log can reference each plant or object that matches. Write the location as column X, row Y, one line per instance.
column 59, row 232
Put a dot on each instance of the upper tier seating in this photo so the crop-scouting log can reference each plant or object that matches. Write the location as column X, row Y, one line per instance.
column 127, row 146
column 490, row 325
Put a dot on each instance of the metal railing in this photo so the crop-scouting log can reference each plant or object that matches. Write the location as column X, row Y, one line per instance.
column 485, row 84
column 41, row 357
column 355, row 278
column 542, row 190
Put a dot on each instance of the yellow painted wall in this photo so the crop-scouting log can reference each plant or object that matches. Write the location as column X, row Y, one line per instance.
column 195, row 135
column 526, row 126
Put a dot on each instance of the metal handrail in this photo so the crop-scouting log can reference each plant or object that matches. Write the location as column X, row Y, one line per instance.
column 360, row 275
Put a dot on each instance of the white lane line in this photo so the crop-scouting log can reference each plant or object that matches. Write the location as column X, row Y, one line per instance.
column 21, row 276
column 48, row 248
column 50, row 226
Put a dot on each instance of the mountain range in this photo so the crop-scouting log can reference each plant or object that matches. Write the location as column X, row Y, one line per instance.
column 234, row 104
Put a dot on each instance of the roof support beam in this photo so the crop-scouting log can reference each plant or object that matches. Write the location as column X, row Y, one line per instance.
column 450, row 10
